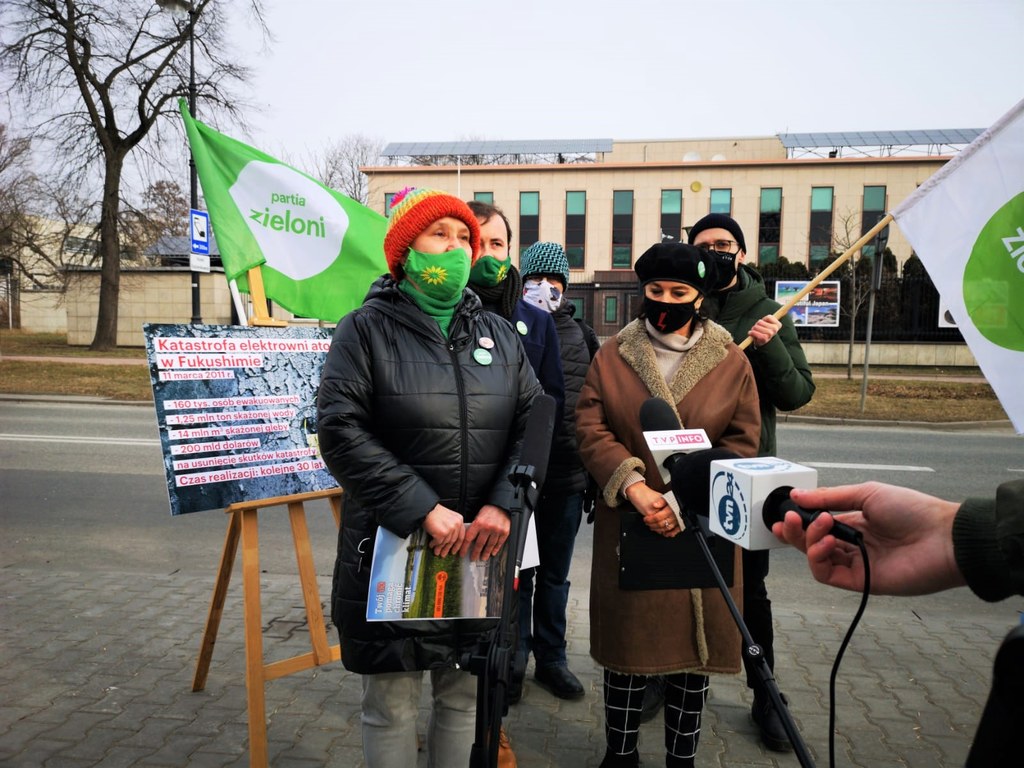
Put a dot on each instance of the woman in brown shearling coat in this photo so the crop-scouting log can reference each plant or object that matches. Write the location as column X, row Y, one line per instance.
column 693, row 364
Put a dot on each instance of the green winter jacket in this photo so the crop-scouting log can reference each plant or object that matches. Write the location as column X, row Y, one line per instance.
column 780, row 367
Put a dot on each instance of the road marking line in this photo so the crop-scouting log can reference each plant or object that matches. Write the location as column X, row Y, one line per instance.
column 892, row 467
column 76, row 439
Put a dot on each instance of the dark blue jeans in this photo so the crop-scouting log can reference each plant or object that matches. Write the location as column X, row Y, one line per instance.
column 544, row 590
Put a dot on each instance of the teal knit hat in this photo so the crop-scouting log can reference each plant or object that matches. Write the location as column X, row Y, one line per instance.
column 544, row 259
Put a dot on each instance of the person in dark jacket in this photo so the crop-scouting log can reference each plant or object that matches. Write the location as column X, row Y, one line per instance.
column 422, row 406
column 543, row 596
column 740, row 304
column 495, row 279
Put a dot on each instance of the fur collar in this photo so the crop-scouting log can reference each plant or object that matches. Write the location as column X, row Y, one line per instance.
column 710, row 350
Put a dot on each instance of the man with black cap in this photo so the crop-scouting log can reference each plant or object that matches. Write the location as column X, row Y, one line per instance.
column 741, row 305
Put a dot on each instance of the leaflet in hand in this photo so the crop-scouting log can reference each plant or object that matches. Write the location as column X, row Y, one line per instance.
column 408, row 582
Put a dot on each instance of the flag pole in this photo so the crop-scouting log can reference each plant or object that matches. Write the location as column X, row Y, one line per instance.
column 864, row 240
column 258, row 295
column 236, row 298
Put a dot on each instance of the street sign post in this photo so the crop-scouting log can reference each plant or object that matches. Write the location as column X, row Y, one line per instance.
column 199, row 230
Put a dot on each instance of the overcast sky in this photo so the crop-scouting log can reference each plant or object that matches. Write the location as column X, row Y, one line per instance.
column 447, row 70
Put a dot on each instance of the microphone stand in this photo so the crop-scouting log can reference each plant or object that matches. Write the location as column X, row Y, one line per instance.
column 752, row 652
column 493, row 660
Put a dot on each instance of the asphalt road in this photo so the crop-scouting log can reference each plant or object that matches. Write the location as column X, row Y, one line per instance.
column 82, row 484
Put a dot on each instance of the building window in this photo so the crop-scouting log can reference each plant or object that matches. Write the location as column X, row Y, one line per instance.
column 529, row 219
column 575, row 228
column 721, row 201
column 611, row 309
column 672, row 214
column 484, row 197
column 820, row 234
column 388, row 197
column 622, row 229
column 579, row 301
column 81, row 245
column 769, row 226
column 873, row 211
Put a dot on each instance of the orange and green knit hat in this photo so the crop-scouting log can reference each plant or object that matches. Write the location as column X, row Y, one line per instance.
column 412, row 211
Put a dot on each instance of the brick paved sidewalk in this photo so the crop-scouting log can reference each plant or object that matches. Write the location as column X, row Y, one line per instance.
column 96, row 669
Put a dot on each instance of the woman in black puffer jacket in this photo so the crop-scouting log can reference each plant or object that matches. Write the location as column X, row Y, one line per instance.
column 422, row 405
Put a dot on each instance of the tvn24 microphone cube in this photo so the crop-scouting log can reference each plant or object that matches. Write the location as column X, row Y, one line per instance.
column 738, row 490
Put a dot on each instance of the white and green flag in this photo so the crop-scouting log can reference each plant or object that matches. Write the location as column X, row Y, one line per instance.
column 318, row 249
column 967, row 224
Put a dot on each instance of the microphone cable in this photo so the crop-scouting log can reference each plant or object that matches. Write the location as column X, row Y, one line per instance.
column 842, row 650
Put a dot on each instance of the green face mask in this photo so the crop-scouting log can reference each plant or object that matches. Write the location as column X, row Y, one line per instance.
column 439, row 277
column 488, row 271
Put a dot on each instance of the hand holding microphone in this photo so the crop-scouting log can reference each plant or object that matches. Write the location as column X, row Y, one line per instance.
column 779, row 502
column 908, row 536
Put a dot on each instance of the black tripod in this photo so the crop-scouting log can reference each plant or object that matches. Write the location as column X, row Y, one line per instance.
column 493, row 660
column 752, row 652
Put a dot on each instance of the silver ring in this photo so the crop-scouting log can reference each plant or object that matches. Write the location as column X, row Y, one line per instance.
column 668, row 524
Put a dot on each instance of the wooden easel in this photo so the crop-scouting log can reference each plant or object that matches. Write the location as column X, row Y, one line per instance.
column 243, row 527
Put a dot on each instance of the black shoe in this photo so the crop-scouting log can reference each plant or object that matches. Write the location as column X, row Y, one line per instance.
column 654, row 698
column 515, row 691
column 560, row 681
column 773, row 735
column 612, row 760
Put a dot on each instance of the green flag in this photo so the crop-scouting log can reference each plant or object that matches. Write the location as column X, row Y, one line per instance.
column 318, row 249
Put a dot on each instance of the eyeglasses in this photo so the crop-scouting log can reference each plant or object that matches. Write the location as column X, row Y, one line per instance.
column 720, row 246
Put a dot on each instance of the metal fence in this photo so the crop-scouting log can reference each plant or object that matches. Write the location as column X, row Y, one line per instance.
column 906, row 310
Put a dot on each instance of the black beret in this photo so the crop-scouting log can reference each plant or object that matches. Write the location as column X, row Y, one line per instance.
column 679, row 262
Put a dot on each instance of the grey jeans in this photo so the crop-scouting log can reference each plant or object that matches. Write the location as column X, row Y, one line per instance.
column 390, row 705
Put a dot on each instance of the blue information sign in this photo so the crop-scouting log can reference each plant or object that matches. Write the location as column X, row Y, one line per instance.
column 199, row 229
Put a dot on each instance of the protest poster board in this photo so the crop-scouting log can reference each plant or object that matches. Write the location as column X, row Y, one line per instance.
column 236, row 411
column 819, row 307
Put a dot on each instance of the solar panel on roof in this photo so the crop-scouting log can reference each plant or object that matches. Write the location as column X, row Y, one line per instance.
column 527, row 147
column 880, row 138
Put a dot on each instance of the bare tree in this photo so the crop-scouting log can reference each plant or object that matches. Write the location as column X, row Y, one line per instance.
column 102, row 75
column 338, row 165
column 856, row 272
column 160, row 215
column 44, row 225
column 16, row 179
